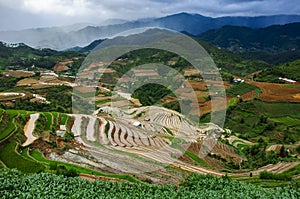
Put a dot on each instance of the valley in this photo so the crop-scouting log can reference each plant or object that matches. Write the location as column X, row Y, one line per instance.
column 151, row 137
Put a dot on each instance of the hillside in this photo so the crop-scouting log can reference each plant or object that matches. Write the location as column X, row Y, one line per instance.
column 277, row 38
column 21, row 56
column 288, row 70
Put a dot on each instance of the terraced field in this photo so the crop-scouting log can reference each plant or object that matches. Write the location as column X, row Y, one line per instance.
column 148, row 142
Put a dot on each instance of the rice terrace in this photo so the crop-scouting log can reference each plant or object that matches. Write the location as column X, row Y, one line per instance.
column 156, row 121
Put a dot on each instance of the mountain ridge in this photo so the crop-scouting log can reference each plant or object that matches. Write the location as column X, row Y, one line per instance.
column 192, row 23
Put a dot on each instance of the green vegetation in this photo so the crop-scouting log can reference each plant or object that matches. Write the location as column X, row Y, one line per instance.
column 49, row 121
column 64, row 118
column 44, row 185
column 7, row 83
column 232, row 102
column 240, row 89
column 196, row 159
column 232, row 63
column 150, row 94
column 7, row 125
column 272, row 176
column 24, row 57
column 275, row 122
column 58, row 96
column 243, row 39
column 288, row 70
column 263, row 123
column 12, row 159
column 103, row 101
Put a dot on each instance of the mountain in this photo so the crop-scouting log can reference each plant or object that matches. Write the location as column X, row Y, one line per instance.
column 60, row 39
column 87, row 48
column 23, row 56
column 276, row 38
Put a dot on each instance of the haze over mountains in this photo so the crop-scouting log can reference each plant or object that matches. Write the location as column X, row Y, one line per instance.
column 81, row 35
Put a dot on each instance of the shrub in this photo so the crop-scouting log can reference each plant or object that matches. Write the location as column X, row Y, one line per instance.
column 272, row 176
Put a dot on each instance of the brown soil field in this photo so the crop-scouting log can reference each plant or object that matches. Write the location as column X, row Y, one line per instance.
column 18, row 73
column 198, row 85
column 273, row 92
column 26, row 81
column 84, row 89
column 191, row 71
column 62, row 66
column 207, row 106
column 168, row 99
column 248, row 96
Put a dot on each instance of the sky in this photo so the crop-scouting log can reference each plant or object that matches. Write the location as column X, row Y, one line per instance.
column 22, row 14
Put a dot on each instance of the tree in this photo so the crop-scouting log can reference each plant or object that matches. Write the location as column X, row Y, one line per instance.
column 283, row 152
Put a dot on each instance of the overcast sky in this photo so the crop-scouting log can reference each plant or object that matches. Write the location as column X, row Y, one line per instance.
column 20, row 14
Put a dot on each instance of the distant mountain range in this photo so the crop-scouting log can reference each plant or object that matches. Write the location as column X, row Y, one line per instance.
column 195, row 24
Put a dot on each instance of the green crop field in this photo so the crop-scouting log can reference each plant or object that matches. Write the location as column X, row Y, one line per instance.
column 49, row 121
column 9, row 128
column 64, row 118
column 12, row 159
column 43, row 185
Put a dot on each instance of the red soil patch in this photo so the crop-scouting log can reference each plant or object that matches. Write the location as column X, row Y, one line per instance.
column 168, row 99
column 248, row 96
column 272, row 92
column 198, row 85
column 62, row 66
column 207, row 106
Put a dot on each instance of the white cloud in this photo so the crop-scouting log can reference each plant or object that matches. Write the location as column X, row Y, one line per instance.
column 61, row 7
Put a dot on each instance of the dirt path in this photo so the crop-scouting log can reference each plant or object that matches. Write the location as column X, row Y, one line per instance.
column 28, row 129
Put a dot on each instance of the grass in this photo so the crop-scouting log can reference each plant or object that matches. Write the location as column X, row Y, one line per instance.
column 169, row 131
column 63, row 118
column 2, row 165
column 49, row 121
column 257, row 92
column 232, row 102
column 39, row 157
column 293, row 171
column 237, row 141
column 291, row 86
column 270, row 184
column 103, row 101
column 12, row 159
column 197, row 159
column 278, row 109
column 287, row 121
column 10, row 128
column 55, row 117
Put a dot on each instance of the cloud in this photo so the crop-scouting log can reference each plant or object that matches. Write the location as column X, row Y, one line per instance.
column 62, row 7
column 56, row 12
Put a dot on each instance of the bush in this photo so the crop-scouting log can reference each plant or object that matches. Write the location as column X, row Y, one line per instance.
column 272, row 176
